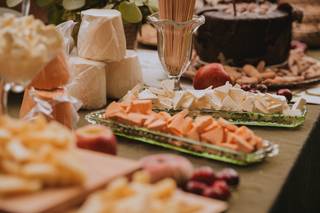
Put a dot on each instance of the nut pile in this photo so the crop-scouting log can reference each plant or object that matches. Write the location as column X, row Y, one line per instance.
column 299, row 68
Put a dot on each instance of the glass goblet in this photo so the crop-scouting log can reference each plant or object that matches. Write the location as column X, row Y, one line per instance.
column 175, row 41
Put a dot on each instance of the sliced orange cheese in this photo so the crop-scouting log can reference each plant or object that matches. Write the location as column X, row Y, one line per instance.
column 157, row 125
column 213, row 125
column 176, row 124
column 140, row 106
column 214, row 136
column 204, row 128
column 202, row 122
column 136, row 118
column 151, row 118
column 227, row 125
column 245, row 132
column 193, row 134
column 166, row 116
column 186, row 125
column 243, row 144
column 112, row 109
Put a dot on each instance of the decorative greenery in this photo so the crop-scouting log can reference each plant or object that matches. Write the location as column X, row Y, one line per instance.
column 133, row 11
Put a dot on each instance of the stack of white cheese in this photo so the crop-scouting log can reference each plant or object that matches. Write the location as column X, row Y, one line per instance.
column 227, row 97
column 101, row 66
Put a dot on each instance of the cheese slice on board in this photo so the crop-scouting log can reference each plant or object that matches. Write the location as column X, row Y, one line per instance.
column 55, row 74
column 88, row 82
column 101, row 35
column 122, row 76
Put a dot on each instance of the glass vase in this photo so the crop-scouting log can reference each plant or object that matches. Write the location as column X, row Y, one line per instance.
column 175, row 41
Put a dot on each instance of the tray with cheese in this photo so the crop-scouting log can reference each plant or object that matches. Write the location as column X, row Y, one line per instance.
column 202, row 136
column 228, row 101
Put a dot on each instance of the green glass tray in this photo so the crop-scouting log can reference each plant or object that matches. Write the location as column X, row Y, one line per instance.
column 250, row 118
column 184, row 145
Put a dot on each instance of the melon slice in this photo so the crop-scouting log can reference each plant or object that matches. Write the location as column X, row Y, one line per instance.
column 203, row 122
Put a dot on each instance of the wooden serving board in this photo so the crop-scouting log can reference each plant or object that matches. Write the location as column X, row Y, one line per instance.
column 209, row 205
column 100, row 170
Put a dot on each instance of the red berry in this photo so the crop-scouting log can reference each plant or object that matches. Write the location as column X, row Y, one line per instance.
column 230, row 176
column 204, row 175
column 212, row 193
column 196, row 187
column 286, row 93
column 219, row 190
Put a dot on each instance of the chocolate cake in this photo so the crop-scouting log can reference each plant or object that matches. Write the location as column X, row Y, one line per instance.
column 258, row 32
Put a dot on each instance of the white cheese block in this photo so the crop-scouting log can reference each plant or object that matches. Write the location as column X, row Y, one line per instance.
column 147, row 95
column 230, row 105
column 101, row 35
column 122, row 76
column 88, row 82
column 238, row 95
column 248, row 104
column 299, row 104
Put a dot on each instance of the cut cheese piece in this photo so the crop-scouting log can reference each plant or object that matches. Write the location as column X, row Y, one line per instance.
column 140, row 106
column 164, row 115
column 227, row 125
column 101, row 35
column 193, row 134
column 176, row 121
column 59, row 110
column 157, row 125
column 299, row 104
column 113, row 109
column 136, row 118
column 242, row 143
column 88, row 82
column 202, row 122
column 123, row 75
column 186, row 125
column 56, row 74
column 214, row 136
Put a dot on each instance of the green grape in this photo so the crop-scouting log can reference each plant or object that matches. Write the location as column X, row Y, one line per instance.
column 13, row 3
column 73, row 4
column 130, row 12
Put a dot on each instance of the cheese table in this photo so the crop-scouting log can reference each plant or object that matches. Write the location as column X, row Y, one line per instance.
column 286, row 183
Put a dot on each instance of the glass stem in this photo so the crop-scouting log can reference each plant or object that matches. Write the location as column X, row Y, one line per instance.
column 4, row 89
column 176, row 79
column 25, row 7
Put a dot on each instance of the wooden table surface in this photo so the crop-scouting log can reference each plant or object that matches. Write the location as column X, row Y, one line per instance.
column 261, row 184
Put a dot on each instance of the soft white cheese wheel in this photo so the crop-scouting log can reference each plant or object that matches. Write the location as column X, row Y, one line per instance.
column 122, row 76
column 101, row 36
column 88, row 82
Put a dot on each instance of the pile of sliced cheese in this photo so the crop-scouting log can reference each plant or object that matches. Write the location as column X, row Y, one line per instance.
column 101, row 65
column 203, row 128
column 227, row 97
column 33, row 156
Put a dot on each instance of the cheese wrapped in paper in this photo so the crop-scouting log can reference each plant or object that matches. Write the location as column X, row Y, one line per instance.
column 101, row 36
column 55, row 74
column 88, row 82
column 122, row 76
column 66, row 30
column 54, row 105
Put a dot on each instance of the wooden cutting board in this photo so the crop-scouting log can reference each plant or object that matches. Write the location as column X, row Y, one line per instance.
column 209, row 205
column 100, row 169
